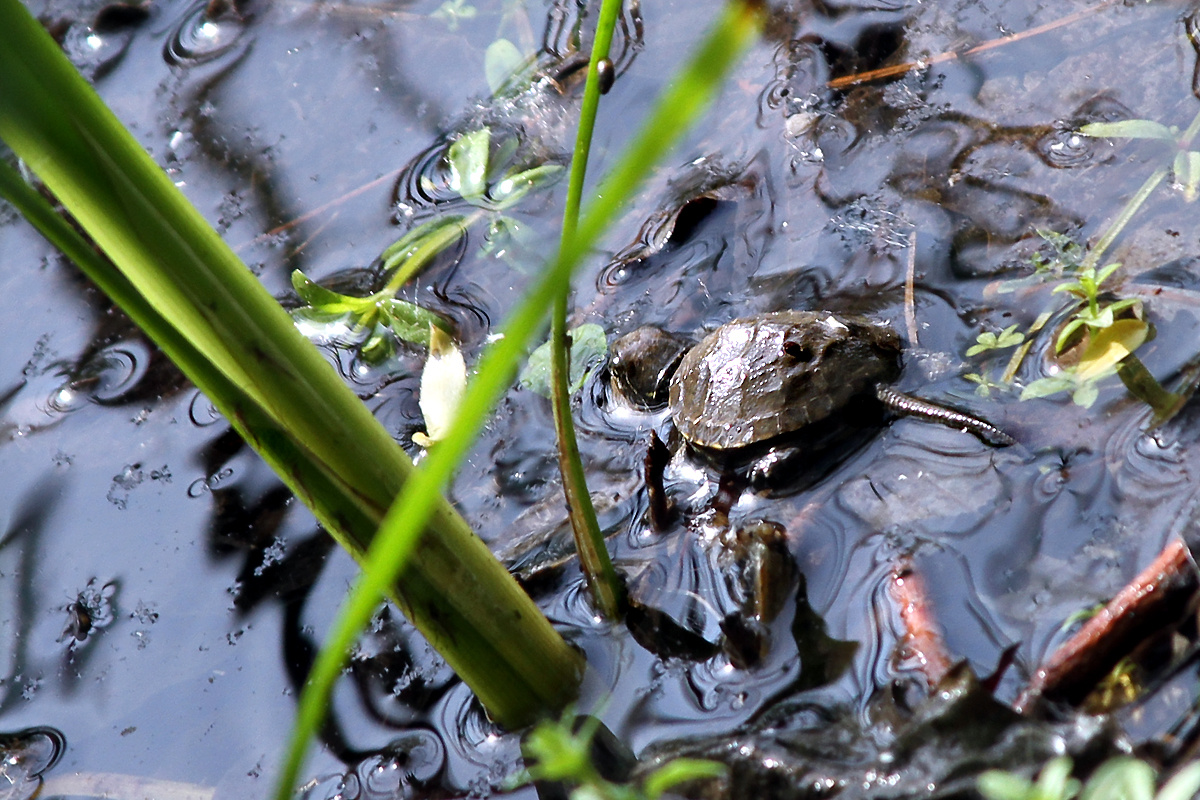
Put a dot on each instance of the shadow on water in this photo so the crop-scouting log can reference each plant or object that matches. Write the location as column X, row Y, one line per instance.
column 861, row 625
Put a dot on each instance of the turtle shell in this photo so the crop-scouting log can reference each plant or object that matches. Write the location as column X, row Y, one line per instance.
column 765, row 376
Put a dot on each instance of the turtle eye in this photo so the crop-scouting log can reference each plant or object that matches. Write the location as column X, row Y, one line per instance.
column 800, row 353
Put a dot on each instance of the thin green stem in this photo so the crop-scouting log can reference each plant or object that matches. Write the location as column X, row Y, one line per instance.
column 1185, row 139
column 606, row 587
column 1118, row 224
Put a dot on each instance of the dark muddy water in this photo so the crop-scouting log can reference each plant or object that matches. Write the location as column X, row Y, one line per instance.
column 162, row 593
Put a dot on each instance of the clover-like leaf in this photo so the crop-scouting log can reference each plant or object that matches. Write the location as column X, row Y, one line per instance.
column 1009, row 337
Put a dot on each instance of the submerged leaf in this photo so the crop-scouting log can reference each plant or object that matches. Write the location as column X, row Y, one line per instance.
column 428, row 232
column 468, row 158
column 409, row 321
column 442, row 383
column 510, row 190
column 1129, row 129
column 1044, row 387
column 588, row 346
column 501, row 61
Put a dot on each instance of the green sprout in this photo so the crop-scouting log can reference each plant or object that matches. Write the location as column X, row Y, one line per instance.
column 1120, row 778
column 984, row 385
column 1009, row 337
column 1093, row 315
column 562, row 754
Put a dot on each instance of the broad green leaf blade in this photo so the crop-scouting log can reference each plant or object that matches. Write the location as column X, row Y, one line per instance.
column 1109, row 346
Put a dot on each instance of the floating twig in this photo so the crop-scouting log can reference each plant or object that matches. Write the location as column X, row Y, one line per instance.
column 922, row 643
column 846, row 81
column 1161, row 594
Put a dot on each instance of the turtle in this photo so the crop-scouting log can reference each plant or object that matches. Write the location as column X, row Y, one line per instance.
column 762, row 378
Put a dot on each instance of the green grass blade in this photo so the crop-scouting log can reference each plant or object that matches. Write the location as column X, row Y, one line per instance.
column 677, row 110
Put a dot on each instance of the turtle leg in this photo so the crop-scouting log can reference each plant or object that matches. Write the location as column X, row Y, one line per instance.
column 909, row 406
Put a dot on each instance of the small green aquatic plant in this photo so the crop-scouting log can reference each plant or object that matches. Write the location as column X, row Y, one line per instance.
column 1093, row 315
column 561, row 751
column 1121, row 778
column 1105, row 333
column 480, row 180
column 999, row 340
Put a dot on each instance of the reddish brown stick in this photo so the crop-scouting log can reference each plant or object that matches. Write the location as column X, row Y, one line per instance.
column 1157, row 597
column 922, row 642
